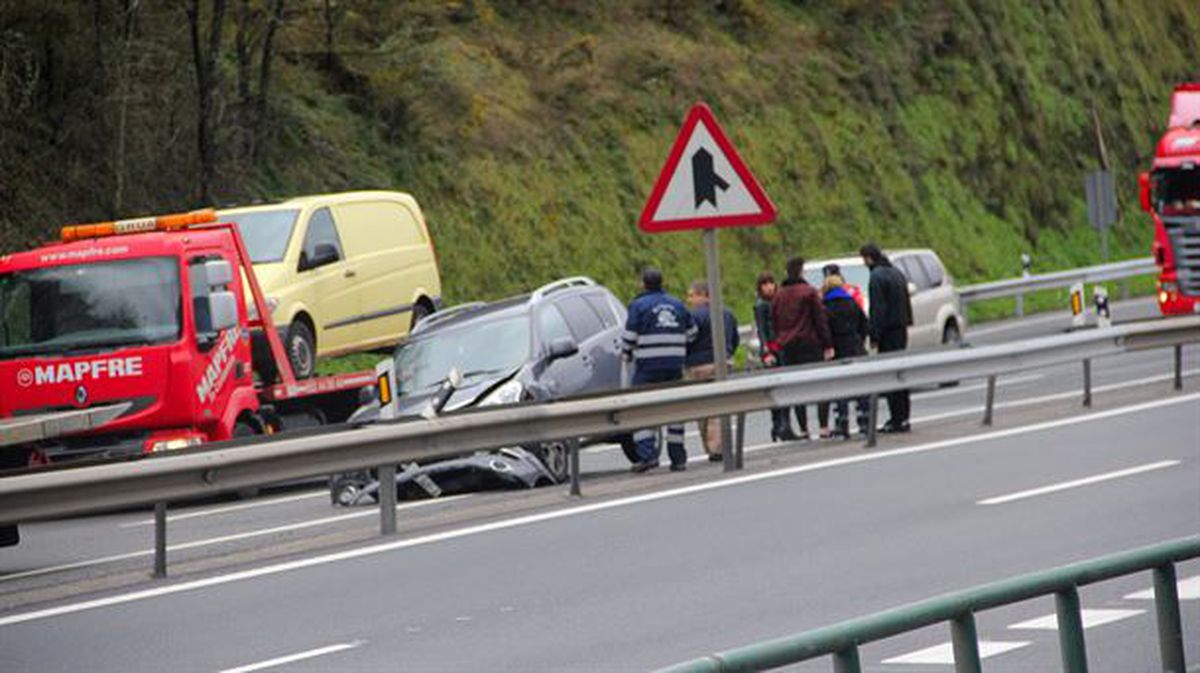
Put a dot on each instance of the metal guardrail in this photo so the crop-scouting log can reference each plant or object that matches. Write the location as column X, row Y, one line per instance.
column 1048, row 281
column 205, row 471
column 841, row 641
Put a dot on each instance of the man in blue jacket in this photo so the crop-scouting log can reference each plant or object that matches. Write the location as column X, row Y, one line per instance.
column 656, row 337
column 699, row 363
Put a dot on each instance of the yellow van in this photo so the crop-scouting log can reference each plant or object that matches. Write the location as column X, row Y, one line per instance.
column 341, row 272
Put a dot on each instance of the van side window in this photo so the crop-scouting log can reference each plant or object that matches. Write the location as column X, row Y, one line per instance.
column 583, row 321
column 916, row 274
column 933, row 267
column 321, row 235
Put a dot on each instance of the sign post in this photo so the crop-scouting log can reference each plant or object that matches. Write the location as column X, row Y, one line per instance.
column 704, row 184
column 1101, row 206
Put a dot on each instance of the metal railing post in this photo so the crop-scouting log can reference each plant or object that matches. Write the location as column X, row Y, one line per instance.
column 966, row 645
column 990, row 402
column 1087, row 383
column 1170, row 632
column 387, row 499
column 872, row 420
column 846, row 661
column 573, row 457
column 1178, row 366
column 160, row 539
column 740, row 452
column 1071, row 644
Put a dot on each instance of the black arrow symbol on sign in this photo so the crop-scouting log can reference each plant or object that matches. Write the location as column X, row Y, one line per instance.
column 704, row 179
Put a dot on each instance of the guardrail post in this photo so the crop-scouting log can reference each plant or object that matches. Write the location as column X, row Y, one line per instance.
column 740, row 452
column 966, row 645
column 160, row 539
column 846, row 661
column 1178, row 366
column 872, row 420
column 1170, row 632
column 1087, row 383
column 990, row 402
column 573, row 457
column 1071, row 645
column 387, row 499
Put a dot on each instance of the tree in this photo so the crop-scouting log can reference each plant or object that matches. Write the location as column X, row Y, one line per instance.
column 205, row 52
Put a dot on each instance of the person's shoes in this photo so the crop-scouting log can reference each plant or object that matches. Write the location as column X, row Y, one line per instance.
column 784, row 435
column 826, row 434
column 891, row 427
column 716, row 457
column 803, row 437
column 643, row 466
column 680, row 467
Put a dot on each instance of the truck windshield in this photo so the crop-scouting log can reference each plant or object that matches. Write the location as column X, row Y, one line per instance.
column 89, row 307
column 266, row 233
column 476, row 349
column 1177, row 191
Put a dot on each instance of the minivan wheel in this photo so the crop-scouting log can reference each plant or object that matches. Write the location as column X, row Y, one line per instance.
column 420, row 312
column 951, row 334
column 554, row 456
column 301, row 350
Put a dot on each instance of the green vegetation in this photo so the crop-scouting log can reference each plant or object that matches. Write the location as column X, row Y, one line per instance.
column 531, row 131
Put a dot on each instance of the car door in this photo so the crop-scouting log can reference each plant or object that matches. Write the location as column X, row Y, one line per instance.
column 336, row 304
column 595, row 347
column 608, row 367
column 924, row 304
column 941, row 291
column 563, row 376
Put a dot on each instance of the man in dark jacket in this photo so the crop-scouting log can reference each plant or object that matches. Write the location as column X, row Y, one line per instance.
column 891, row 315
column 849, row 327
column 700, row 359
column 657, row 333
column 801, row 327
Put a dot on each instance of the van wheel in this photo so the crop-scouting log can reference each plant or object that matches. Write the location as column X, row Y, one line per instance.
column 301, row 349
column 420, row 312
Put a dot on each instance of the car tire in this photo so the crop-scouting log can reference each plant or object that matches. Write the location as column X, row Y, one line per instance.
column 420, row 312
column 555, row 457
column 301, row 348
column 951, row 334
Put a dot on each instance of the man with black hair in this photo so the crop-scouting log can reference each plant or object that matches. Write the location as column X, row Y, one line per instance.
column 891, row 316
column 657, row 333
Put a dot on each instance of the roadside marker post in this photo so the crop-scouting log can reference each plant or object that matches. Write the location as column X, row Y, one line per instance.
column 704, row 184
column 1079, row 317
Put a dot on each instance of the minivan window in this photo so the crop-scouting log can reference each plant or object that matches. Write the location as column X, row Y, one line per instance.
column 551, row 325
column 320, row 232
column 933, row 267
column 600, row 305
column 583, row 321
column 266, row 233
column 915, row 273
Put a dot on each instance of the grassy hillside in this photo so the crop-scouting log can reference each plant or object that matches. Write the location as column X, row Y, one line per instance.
column 531, row 131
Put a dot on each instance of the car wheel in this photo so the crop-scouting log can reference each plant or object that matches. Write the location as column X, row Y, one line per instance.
column 301, row 350
column 246, row 429
column 555, row 457
column 951, row 334
column 420, row 312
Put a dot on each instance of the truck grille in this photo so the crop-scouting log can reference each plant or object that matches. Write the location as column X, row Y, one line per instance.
column 1184, row 235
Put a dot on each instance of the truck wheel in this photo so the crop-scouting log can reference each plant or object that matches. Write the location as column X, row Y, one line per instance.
column 246, row 429
column 554, row 456
column 301, row 349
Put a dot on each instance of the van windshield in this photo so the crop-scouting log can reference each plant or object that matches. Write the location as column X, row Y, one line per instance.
column 89, row 307
column 266, row 233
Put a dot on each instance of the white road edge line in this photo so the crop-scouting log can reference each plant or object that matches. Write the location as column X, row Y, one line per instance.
column 292, row 658
column 229, row 508
column 225, row 538
column 373, row 550
column 1076, row 483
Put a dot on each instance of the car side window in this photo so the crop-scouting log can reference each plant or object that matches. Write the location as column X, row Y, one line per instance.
column 916, row 274
column 601, row 306
column 321, row 234
column 933, row 267
column 552, row 325
column 582, row 320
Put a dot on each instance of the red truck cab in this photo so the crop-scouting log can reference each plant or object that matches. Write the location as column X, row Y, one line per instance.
column 152, row 313
column 1170, row 192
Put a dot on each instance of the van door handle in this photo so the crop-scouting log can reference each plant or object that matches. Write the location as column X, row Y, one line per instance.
column 350, row 273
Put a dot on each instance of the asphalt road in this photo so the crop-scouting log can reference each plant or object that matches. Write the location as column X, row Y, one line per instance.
column 592, row 590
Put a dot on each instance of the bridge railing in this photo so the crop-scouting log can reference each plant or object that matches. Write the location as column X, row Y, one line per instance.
column 842, row 641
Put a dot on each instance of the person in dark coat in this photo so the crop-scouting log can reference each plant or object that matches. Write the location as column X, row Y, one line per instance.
column 891, row 315
column 768, row 349
column 800, row 326
column 849, row 327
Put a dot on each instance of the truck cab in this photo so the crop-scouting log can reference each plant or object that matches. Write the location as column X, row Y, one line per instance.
column 1170, row 193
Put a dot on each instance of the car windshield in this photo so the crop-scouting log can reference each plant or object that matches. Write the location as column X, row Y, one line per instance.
column 266, row 233
column 1177, row 192
column 89, row 307
column 476, row 349
column 854, row 274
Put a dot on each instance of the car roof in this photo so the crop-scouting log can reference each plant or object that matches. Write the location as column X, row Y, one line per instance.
column 855, row 259
column 481, row 311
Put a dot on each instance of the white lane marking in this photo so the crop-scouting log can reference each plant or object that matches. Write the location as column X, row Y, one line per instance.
column 1089, row 617
column 1052, row 398
column 959, row 390
column 229, row 508
column 292, row 658
column 1189, row 590
column 1076, row 483
column 944, row 653
column 526, row 520
column 223, row 539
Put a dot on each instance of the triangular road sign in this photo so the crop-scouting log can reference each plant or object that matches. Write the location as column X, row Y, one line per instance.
column 705, row 183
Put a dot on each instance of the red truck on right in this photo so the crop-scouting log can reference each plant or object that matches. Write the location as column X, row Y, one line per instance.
column 1170, row 192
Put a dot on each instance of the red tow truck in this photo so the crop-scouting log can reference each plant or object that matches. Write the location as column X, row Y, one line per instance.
column 1170, row 192
column 150, row 314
